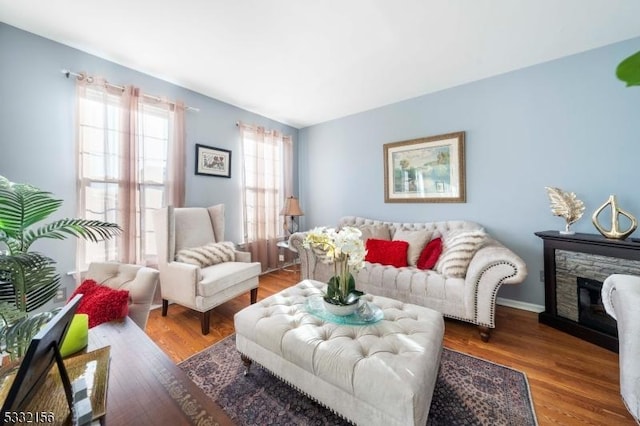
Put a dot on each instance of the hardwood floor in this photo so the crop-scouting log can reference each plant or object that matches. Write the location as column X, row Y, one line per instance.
column 572, row 382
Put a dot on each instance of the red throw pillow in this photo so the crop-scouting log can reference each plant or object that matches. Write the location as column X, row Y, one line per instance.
column 392, row 253
column 101, row 303
column 430, row 254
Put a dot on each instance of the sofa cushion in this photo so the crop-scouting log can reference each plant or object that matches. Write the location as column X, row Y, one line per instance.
column 378, row 232
column 430, row 254
column 207, row 255
column 459, row 248
column 417, row 240
column 218, row 278
column 392, row 253
column 101, row 303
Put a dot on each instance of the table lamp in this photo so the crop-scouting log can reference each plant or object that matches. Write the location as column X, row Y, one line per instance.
column 290, row 211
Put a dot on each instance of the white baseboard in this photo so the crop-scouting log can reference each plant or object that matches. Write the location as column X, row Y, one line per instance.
column 532, row 307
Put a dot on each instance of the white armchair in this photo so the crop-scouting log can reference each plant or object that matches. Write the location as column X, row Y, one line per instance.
column 140, row 281
column 200, row 288
column 621, row 300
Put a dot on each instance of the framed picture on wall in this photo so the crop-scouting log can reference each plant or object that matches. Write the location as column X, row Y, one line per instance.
column 212, row 161
column 425, row 170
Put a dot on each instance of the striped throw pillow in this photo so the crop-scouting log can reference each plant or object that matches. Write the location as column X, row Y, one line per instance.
column 207, row 255
column 459, row 248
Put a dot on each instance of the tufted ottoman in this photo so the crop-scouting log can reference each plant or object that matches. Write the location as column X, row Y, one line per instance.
column 378, row 374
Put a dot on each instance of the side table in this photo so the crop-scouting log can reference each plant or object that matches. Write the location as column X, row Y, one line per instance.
column 285, row 245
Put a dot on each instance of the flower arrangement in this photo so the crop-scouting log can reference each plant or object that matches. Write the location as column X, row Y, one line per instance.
column 345, row 250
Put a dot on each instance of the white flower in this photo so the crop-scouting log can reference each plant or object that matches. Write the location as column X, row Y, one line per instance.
column 337, row 246
column 345, row 250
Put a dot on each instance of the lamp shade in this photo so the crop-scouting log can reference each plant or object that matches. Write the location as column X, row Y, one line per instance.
column 291, row 207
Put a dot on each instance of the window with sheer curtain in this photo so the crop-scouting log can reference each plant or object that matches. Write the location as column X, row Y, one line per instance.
column 130, row 162
column 267, row 181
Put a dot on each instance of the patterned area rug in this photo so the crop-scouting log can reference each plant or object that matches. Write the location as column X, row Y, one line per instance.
column 469, row 391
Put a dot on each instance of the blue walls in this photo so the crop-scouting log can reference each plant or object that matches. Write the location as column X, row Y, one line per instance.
column 37, row 134
column 568, row 123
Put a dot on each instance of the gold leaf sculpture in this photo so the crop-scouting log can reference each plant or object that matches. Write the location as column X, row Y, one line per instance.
column 614, row 232
column 566, row 205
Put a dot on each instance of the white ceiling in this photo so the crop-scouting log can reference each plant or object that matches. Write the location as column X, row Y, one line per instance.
column 304, row 62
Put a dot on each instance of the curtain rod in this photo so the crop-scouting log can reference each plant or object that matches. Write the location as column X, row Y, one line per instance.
column 80, row 76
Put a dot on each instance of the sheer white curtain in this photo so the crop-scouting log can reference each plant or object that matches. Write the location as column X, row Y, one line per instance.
column 130, row 162
column 267, row 181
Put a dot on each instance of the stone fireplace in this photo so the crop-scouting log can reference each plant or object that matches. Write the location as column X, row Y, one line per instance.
column 575, row 267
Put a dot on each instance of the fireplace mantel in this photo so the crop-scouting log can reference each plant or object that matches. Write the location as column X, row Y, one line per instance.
column 591, row 244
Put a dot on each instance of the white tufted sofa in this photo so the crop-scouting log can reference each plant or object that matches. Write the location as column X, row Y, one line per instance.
column 471, row 299
column 378, row 374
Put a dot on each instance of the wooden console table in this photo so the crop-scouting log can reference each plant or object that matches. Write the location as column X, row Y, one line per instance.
column 145, row 386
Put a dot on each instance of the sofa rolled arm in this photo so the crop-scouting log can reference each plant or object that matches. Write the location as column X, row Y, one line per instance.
column 492, row 266
column 307, row 258
column 311, row 267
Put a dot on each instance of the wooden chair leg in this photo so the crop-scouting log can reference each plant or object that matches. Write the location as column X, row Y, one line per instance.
column 485, row 333
column 165, row 307
column 254, row 295
column 204, row 320
column 247, row 363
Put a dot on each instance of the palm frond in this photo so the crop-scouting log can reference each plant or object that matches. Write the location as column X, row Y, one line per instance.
column 92, row 230
column 7, row 292
column 34, row 278
column 19, row 334
column 23, row 205
column 9, row 315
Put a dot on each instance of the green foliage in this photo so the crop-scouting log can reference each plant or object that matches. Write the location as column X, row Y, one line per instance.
column 32, row 277
column 336, row 296
column 629, row 70
column 18, row 335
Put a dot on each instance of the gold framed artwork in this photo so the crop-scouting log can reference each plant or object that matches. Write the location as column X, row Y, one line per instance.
column 425, row 170
column 212, row 161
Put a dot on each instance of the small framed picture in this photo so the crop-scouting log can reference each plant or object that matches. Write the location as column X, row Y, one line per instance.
column 212, row 161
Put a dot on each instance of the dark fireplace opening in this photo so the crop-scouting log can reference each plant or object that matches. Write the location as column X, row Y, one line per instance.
column 591, row 311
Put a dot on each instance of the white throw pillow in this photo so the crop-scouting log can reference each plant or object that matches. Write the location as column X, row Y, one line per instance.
column 417, row 239
column 459, row 248
column 207, row 255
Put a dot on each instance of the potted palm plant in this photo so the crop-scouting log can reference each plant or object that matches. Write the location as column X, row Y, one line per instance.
column 29, row 279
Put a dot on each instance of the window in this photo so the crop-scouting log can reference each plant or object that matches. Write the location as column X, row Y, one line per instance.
column 267, row 161
column 124, row 158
